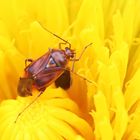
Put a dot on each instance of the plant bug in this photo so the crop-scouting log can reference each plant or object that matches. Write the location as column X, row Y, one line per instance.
column 50, row 67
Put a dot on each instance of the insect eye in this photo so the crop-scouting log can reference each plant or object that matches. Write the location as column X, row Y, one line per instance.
column 66, row 49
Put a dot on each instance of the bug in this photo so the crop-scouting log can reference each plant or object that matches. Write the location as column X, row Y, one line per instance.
column 48, row 68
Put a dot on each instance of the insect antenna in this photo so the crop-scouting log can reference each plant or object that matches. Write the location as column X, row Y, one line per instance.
column 28, row 105
column 54, row 34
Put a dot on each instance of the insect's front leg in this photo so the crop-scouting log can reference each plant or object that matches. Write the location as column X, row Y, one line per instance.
column 77, row 59
column 28, row 60
column 72, row 69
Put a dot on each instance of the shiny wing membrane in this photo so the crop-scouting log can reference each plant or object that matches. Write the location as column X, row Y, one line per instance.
column 39, row 64
column 47, row 76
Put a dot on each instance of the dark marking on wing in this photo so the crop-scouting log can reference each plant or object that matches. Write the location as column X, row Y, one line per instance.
column 64, row 81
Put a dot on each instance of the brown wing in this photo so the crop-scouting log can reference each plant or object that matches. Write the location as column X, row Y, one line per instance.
column 25, row 87
column 38, row 65
column 47, row 76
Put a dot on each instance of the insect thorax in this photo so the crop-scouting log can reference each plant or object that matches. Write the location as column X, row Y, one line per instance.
column 59, row 58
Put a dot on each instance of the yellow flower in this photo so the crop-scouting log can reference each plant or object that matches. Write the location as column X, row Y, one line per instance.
column 85, row 111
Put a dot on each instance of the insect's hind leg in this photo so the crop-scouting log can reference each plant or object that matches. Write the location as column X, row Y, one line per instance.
column 82, row 77
column 28, row 60
column 41, row 92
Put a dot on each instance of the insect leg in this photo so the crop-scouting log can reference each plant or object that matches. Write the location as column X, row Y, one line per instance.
column 41, row 92
column 77, row 59
column 92, row 82
column 28, row 60
column 72, row 69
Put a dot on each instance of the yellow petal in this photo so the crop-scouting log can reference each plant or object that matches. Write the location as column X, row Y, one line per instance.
column 120, row 59
column 73, row 8
column 60, row 119
column 134, row 61
column 118, row 28
column 127, row 15
column 132, row 91
column 121, row 117
column 133, row 128
column 95, row 16
column 103, row 129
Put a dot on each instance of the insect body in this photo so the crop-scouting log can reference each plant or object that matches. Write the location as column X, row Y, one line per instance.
column 44, row 71
column 49, row 68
